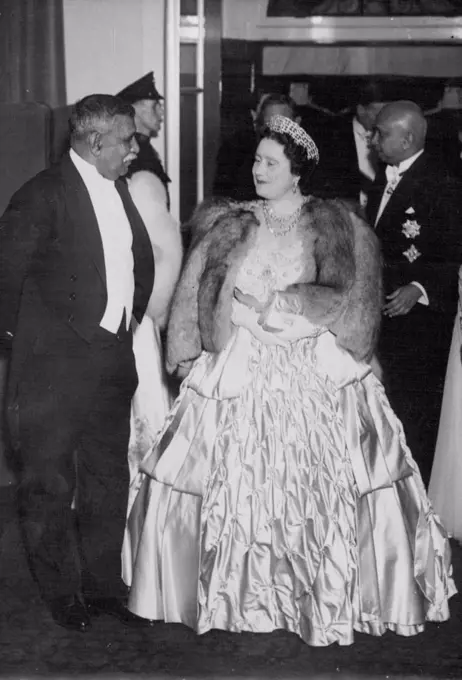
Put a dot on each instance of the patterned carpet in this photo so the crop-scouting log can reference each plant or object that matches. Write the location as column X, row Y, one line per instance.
column 31, row 645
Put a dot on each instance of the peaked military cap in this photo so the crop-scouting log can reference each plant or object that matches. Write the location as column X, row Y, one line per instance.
column 143, row 88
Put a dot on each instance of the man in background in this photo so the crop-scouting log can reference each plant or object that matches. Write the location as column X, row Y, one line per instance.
column 349, row 164
column 149, row 116
column 444, row 136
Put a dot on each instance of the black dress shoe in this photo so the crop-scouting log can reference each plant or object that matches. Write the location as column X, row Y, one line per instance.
column 113, row 607
column 70, row 613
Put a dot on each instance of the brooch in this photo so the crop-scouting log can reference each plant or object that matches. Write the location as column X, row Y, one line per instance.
column 411, row 229
column 412, row 254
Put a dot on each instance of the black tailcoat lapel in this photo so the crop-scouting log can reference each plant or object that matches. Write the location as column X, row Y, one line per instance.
column 375, row 196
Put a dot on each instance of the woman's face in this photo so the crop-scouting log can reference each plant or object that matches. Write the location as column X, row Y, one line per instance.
column 271, row 170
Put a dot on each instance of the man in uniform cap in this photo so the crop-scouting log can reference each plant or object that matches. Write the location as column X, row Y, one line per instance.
column 147, row 102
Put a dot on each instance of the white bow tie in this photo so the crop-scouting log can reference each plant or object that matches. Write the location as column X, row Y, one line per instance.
column 365, row 135
column 392, row 172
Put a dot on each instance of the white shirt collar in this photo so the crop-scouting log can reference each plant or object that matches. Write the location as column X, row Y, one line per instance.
column 359, row 129
column 394, row 172
column 86, row 169
column 405, row 165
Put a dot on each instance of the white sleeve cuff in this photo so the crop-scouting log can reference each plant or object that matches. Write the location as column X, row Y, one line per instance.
column 423, row 299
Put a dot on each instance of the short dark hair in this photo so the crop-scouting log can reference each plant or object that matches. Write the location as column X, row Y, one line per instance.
column 300, row 164
column 371, row 91
column 274, row 98
column 96, row 111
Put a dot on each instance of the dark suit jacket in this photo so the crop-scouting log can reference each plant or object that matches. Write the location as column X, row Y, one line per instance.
column 443, row 141
column 52, row 271
column 338, row 174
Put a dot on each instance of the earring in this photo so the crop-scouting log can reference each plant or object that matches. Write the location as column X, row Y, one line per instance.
column 295, row 186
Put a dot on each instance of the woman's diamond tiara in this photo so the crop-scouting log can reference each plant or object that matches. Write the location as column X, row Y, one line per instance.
column 298, row 134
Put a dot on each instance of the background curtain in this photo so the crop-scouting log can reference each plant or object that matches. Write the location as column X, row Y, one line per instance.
column 32, row 52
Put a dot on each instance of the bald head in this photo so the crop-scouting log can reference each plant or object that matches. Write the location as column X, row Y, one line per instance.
column 409, row 117
column 399, row 131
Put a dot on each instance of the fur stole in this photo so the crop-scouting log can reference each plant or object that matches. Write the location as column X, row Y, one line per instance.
column 340, row 286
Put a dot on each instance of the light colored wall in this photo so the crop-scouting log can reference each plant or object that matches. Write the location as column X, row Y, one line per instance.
column 111, row 43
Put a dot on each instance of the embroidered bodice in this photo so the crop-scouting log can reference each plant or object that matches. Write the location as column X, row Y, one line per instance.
column 269, row 266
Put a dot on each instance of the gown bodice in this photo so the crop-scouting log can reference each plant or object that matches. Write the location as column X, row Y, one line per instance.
column 269, row 266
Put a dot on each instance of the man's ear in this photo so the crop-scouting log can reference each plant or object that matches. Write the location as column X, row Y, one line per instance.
column 95, row 142
column 408, row 140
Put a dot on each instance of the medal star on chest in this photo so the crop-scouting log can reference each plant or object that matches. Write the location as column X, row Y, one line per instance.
column 412, row 253
column 411, row 228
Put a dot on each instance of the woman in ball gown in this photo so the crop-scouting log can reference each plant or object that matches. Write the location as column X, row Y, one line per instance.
column 154, row 395
column 446, row 478
column 280, row 493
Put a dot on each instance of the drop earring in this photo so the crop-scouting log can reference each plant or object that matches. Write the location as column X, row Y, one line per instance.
column 295, row 186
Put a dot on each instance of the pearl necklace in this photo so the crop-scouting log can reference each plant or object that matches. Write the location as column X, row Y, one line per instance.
column 285, row 224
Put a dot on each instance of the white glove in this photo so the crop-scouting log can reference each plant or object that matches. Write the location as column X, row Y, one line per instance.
column 247, row 317
column 288, row 325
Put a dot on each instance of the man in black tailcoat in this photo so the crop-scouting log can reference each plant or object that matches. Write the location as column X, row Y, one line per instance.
column 415, row 208
column 75, row 263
